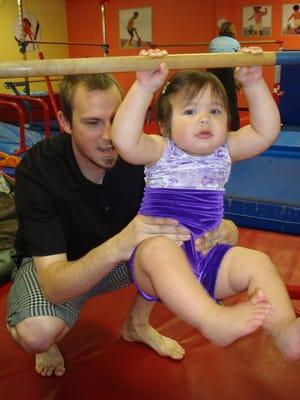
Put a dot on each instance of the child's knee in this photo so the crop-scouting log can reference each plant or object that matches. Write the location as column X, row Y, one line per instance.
column 263, row 262
column 152, row 247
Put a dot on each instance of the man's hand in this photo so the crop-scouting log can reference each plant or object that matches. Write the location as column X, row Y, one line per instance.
column 143, row 227
column 227, row 232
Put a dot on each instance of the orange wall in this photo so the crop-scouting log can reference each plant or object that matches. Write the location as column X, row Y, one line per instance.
column 172, row 22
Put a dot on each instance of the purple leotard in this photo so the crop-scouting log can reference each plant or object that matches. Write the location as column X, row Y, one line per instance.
column 189, row 189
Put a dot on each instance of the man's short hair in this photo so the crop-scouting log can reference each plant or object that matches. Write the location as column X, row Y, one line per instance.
column 69, row 84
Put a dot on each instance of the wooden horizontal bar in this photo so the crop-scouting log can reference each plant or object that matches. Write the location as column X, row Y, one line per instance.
column 73, row 66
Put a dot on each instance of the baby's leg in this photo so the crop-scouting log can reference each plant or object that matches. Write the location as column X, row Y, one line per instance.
column 245, row 269
column 162, row 270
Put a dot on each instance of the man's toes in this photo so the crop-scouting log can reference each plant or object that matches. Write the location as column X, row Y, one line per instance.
column 177, row 355
column 49, row 372
column 173, row 349
column 60, row 371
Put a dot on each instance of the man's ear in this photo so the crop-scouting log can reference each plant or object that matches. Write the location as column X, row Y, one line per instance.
column 63, row 122
column 161, row 129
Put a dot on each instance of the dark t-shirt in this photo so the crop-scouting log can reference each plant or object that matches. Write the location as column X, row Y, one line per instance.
column 60, row 211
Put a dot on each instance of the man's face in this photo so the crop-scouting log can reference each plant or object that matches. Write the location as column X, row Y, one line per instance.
column 93, row 113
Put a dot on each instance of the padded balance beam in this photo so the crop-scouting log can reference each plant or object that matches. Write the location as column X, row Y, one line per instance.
column 73, row 66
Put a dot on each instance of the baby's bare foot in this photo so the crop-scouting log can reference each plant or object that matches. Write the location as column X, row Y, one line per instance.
column 258, row 296
column 230, row 323
column 50, row 362
column 288, row 340
column 144, row 333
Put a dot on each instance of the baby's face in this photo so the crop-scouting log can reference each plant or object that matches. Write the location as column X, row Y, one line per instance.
column 199, row 125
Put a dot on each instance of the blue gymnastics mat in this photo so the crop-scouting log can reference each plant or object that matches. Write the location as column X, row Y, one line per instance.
column 264, row 192
column 10, row 137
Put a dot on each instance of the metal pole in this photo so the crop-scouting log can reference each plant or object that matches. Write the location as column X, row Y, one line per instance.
column 105, row 47
column 22, row 43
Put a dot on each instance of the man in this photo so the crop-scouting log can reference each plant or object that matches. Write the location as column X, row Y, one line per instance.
column 76, row 204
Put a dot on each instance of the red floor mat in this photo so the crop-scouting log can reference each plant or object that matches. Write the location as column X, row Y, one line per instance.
column 100, row 365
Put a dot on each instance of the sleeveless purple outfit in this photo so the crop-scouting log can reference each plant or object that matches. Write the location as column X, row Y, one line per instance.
column 190, row 189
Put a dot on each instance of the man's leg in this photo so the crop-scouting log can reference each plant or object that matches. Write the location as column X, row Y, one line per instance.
column 38, row 336
column 35, row 324
column 138, row 329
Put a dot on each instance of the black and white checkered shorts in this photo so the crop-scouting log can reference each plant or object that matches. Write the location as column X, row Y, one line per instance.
column 26, row 300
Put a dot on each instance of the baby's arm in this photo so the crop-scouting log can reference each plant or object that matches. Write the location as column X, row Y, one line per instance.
column 127, row 131
column 264, row 125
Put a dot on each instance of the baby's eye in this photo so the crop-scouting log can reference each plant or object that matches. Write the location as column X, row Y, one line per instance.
column 189, row 111
column 216, row 111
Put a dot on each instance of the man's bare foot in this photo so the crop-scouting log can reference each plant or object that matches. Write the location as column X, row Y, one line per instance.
column 230, row 323
column 50, row 363
column 144, row 333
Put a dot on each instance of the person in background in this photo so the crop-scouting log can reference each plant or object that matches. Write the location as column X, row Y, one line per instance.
column 226, row 43
column 74, row 234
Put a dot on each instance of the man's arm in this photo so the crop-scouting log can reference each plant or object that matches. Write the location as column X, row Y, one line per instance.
column 61, row 280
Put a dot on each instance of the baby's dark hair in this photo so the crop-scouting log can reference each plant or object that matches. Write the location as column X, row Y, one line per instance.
column 296, row 7
column 190, row 83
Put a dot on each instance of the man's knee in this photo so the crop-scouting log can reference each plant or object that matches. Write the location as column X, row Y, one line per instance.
column 38, row 334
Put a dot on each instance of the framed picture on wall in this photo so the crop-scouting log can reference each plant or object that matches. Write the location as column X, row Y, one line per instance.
column 257, row 21
column 291, row 19
column 28, row 31
column 135, row 27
